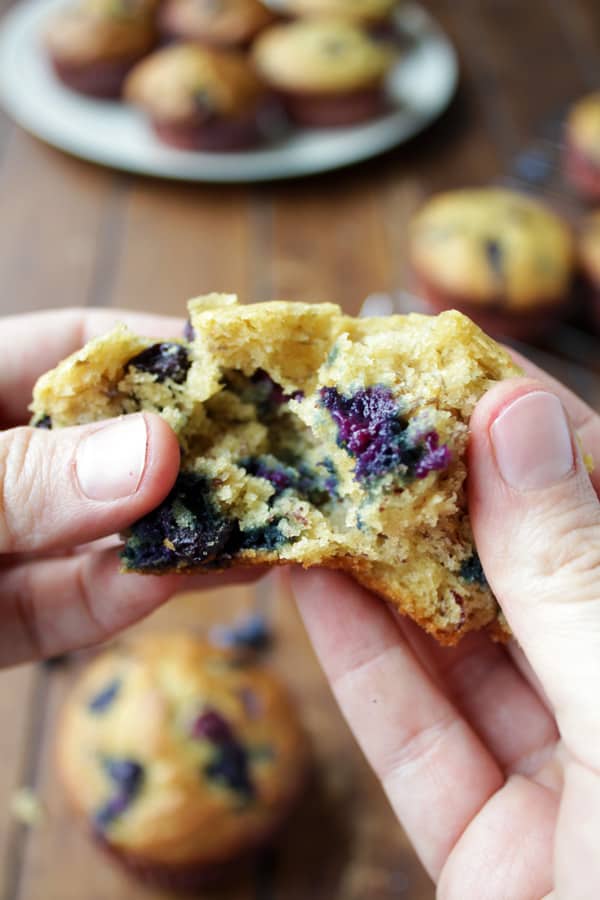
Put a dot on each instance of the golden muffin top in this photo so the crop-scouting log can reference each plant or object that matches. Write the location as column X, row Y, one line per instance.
column 316, row 56
column 358, row 11
column 224, row 23
column 186, row 80
column 98, row 30
column 177, row 751
column 492, row 245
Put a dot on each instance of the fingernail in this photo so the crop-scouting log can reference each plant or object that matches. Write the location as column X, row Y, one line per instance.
column 110, row 461
column 532, row 442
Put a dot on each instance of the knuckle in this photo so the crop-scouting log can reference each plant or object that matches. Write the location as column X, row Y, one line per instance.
column 19, row 484
column 568, row 548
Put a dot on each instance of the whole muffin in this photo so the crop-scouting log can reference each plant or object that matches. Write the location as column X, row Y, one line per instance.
column 180, row 756
column 216, row 23
column 93, row 44
column 368, row 13
column 582, row 154
column 199, row 99
column 500, row 257
column 328, row 73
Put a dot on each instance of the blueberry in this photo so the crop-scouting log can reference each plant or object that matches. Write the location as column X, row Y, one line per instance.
column 43, row 422
column 495, row 256
column 371, row 429
column 211, row 726
column 230, row 766
column 264, row 537
column 472, row 572
column 127, row 775
column 185, row 530
column 101, row 701
column 435, row 458
column 278, row 475
column 188, row 331
column 165, row 360
column 251, row 632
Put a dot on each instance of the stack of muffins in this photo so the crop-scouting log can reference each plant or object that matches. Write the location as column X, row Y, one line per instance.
column 216, row 74
column 509, row 261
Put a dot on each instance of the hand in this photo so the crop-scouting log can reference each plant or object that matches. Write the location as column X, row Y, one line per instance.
column 63, row 489
column 490, row 755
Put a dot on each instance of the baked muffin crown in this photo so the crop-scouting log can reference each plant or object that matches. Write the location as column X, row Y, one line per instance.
column 178, row 752
column 186, row 80
column 358, row 11
column 320, row 57
column 216, row 22
column 492, row 246
column 583, row 126
column 92, row 30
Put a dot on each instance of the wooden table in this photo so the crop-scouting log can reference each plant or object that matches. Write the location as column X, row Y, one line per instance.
column 71, row 233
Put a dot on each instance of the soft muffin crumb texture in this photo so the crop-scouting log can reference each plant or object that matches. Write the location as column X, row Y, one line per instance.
column 307, row 436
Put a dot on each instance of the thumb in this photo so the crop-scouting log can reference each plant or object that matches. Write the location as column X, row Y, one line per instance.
column 536, row 520
column 65, row 487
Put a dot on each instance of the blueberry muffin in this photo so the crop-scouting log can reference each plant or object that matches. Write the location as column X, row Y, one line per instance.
column 582, row 154
column 199, row 99
column 328, row 73
column 215, row 23
column 496, row 255
column 180, row 756
column 93, row 44
column 309, row 437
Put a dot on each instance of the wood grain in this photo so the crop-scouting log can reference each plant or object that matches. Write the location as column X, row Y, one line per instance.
column 71, row 233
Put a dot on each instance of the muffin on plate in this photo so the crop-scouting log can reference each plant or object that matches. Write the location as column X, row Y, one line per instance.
column 200, row 99
column 368, row 13
column 582, row 153
column 93, row 44
column 497, row 255
column 179, row 756
column 328, row 73
column 215, row 23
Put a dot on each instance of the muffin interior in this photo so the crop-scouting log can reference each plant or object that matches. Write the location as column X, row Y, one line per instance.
column 306, row 436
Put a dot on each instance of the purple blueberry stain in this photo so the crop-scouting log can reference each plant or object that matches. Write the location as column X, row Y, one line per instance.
column 371, row 429
column 101, row 701
column 211, row 726
column 127, row 777
column 229, row 765
column 189, row 333
column 43, row 422
column 164, row 360
column 435, row 458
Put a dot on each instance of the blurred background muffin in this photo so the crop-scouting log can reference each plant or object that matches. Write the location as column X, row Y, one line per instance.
column 327, row 72
column 199, row 99
column 500, row 257
column 216, row 23
column 93, row 44
column 589, row 261
column 368, row 13
column 180, row 756
column 582, row 155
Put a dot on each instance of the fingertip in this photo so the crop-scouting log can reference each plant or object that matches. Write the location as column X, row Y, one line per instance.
column 162, row 461
column 494, row 401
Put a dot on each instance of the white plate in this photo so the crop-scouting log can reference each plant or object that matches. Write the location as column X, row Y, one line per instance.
column 420, row 87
